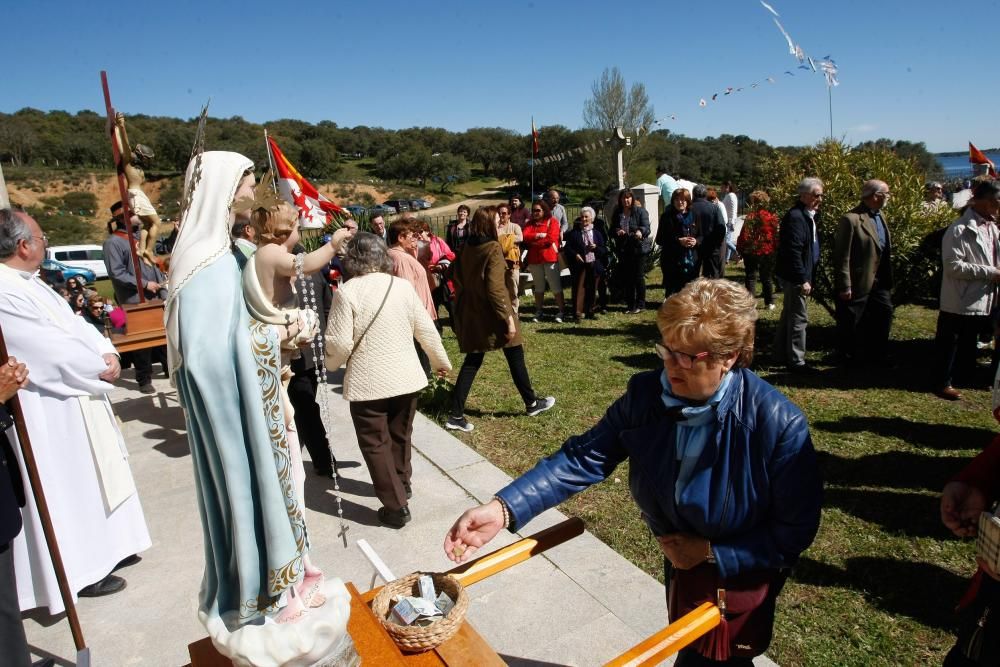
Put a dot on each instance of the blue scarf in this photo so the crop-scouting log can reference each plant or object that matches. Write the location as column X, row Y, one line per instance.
column 695, row 425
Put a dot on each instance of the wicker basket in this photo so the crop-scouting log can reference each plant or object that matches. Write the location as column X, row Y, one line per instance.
column 414, row 638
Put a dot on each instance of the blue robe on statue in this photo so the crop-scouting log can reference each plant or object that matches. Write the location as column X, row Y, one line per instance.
column 254, row 531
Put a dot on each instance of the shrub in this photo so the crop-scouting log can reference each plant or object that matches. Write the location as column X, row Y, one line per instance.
column 843, row 170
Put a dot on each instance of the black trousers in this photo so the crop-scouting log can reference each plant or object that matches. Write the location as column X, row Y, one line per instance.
column 955, row 346
column 863, row 325
column 470, row 366
column 633, row 280
column 308, row 419
column 584, row 288
column 384, row 428
column 764, row 267
column 12, row 639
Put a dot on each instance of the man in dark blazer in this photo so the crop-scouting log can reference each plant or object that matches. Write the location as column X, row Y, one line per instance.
column 862, row 250
column 13, row 376
column 713, row 226
column 798, row 255
column 304, row 383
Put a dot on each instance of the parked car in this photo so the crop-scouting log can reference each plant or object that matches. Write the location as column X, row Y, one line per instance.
column 355, row 210
column 419, row 204
column 80, row 256
column 57, row 273
column 381, row 209
column 400, row 205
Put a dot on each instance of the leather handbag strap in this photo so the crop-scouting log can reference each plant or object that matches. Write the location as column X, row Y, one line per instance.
column 380, row 306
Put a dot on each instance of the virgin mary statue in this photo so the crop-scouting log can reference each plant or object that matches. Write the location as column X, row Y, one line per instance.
column 225, row 365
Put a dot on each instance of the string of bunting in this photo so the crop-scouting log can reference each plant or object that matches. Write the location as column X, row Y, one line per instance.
column 571, row 152
column 825, row 65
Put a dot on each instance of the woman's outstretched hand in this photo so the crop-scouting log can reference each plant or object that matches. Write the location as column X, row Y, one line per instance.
column 473, row 529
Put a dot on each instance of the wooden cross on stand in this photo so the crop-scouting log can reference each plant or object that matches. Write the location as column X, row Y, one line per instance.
column 618, row 142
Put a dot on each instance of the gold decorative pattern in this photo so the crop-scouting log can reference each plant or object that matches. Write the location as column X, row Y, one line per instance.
column 264, row 349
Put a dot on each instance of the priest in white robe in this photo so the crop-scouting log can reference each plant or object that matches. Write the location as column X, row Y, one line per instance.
column 79, row 451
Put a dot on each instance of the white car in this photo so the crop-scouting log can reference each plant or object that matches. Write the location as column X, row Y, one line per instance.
column 82, row 256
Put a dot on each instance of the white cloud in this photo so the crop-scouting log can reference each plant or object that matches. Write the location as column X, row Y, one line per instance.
column 864, row 128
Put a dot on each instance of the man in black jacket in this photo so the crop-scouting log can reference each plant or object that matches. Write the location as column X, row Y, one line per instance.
column 304, row 383
column 798, row 255
column 13, row 376
column 713, row 226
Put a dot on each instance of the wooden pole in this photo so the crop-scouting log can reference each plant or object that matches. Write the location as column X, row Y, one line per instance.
column 674, row 637
column 123, row 188
column 43, row 512
column 508, row 556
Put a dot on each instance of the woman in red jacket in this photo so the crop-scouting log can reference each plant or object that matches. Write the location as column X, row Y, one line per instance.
column 541, row 238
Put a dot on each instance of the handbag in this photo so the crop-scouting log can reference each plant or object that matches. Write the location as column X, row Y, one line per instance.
column 746, row 604
column 978, row 627
column 380, row 306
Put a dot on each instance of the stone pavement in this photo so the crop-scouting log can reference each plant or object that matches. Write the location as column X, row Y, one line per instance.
column 578, row 604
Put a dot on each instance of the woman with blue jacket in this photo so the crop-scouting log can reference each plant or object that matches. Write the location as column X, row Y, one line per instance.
column 721, row 466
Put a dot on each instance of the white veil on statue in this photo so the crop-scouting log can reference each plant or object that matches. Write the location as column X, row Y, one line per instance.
column 205, row 229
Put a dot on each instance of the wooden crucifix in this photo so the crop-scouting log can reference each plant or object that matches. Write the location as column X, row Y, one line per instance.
column 122, row 187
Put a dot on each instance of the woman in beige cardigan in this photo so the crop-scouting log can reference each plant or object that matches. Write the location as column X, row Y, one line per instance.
column 373, row 321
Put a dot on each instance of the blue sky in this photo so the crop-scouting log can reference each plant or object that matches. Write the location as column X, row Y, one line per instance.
column 907, row 69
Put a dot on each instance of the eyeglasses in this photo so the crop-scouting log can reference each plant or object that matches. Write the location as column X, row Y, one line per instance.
column 43, row 238
column 682, row 359
column 818, row 195
column 536, row 210
column 883, row 194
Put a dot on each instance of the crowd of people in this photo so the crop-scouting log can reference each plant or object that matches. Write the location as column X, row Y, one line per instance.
column 733, row 495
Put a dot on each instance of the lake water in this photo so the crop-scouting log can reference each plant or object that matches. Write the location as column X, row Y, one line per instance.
column 958, row 166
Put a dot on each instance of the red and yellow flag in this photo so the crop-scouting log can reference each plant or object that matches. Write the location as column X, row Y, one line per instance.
column 315, row 210
column 534, row 138
column 976, row 156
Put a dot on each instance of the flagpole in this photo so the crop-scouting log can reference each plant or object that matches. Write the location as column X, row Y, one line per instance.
column 270, row 162
column 829, row 94
column 532, row 200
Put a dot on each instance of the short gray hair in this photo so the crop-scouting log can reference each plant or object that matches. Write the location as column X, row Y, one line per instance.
column 587, row 209
column 699, row 191
column 13, row 230
column 807, row 184
column 366, row 253
column 871, row 187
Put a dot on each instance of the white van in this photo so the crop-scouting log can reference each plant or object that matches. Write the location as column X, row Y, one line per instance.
column 82, row 256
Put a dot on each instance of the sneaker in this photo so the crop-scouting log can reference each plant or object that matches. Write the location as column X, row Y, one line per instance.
column 541, row 405
column 147, row 389
column 537, row 318
column 559, row 318
column 770, row 306
column 459, row 424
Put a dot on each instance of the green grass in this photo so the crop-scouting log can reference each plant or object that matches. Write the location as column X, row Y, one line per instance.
column 879, row 584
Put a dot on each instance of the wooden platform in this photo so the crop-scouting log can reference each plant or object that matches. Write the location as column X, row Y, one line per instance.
column 144, row 327
column 375, row 646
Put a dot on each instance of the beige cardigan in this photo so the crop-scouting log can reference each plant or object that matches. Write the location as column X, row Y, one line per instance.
column 385, row 363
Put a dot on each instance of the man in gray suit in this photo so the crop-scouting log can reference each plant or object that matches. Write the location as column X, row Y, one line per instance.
column 862, row 249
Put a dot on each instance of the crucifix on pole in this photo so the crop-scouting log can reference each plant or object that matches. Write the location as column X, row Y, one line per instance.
column 122, row 187
column 618, row 142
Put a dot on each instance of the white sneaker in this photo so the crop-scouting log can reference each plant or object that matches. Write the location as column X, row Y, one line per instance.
column 541, row 405
column 458, row 424
column 559, row 318
column 770, row 306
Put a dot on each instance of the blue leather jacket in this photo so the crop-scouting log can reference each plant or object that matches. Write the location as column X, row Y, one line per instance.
column 756, row 493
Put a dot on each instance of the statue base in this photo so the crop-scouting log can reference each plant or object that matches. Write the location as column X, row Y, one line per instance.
column 318, row 639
